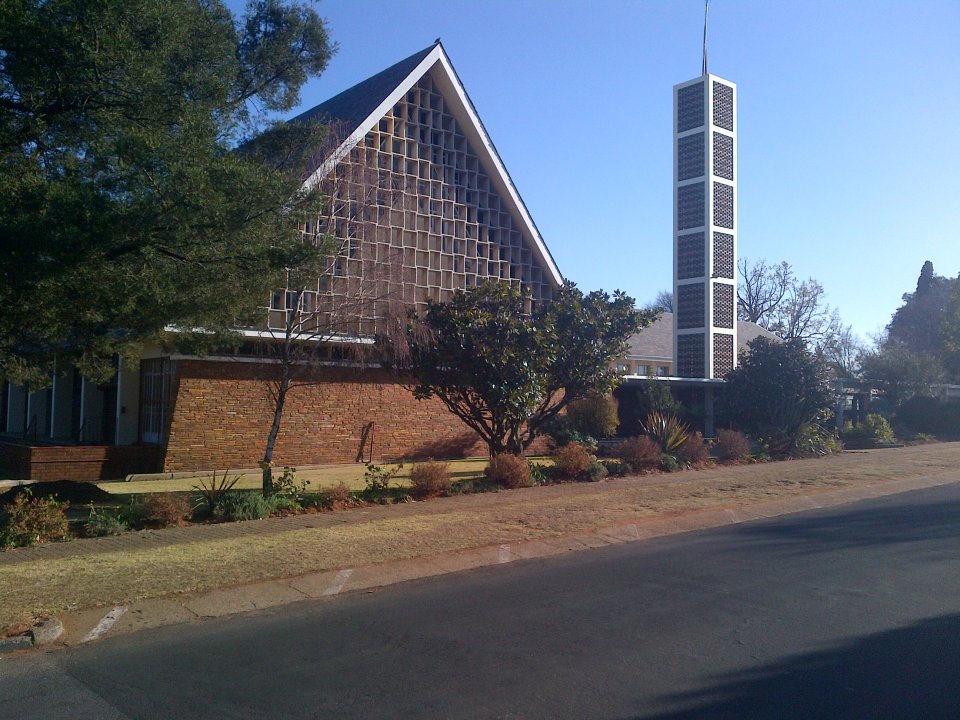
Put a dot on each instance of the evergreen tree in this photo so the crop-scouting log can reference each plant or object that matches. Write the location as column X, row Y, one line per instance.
column 505, row 370
column 125, row 207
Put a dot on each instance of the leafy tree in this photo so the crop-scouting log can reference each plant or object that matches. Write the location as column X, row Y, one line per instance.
column 778, row 393
column 125, row 207
column 899, row 372
column 922, row 344
column 918, row 324
column 950, row 333
column 506, row 370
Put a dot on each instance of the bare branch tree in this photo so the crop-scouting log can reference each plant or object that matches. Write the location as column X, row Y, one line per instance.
column 802, row 314
column 773, row 297
column 762, row 288
column 338, row 297
column 843, row 349
column 663, row 302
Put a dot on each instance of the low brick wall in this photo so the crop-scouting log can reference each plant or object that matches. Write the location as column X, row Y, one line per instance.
column 14, row 461
column 88, row 463
column 222, row 411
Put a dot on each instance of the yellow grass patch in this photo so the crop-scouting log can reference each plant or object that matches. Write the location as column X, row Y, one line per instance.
column 89, row 580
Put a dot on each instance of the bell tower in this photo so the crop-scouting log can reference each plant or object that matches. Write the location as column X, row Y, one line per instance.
column 705, row 225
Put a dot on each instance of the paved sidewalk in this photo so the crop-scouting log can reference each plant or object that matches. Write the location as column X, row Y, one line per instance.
column 324, row 555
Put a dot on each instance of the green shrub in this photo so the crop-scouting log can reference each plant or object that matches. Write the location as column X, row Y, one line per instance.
column 430, row 479
column 731, row 446
column 571, row 461
column 920, row 414
column 694, row 451
column 286, row 486
column 639, row 453
column 158, row 510
column 508, row 471
column 242, row 505
column 595, row 471
column 102, row 523
column 562, row 432
column 929, row 416
column 209, row 495
column 777, row 393
column 285, row 504
column 616, row 468
column 668, row 431
column 637, row 400
column 669, row 463
column 29, row 520
column 815, row 441
column 594, row 416
column 377, row 479
column 878, row 428
column 923, row 438
column 540, row 474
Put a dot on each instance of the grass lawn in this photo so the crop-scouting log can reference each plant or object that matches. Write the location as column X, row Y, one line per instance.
column 93, row 573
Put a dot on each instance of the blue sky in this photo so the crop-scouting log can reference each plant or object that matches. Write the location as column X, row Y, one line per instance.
column 849, row 126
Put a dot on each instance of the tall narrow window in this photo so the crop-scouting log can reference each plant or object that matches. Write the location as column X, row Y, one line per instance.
column 155, row 380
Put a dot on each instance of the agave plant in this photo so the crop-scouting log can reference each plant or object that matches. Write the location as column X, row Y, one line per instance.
column 209, row 497
column 666, row 429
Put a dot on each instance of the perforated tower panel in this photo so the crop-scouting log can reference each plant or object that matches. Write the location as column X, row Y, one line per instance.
column 705, row 227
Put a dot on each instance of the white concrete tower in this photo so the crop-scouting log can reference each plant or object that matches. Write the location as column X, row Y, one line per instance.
column 705, row 227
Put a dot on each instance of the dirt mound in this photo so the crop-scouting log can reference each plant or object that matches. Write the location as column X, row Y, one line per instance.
column 75, row 493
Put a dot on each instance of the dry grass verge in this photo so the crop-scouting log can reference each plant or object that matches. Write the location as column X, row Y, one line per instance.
column 36, row 581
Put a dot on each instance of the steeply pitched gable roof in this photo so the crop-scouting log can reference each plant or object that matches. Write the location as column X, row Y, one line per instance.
column 359, row 109
column 355, row 104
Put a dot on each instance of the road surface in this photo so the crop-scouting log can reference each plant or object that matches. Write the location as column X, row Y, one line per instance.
column 852, row 612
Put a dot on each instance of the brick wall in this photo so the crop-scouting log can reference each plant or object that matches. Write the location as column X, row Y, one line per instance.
column 222, row 411
column 81, row 463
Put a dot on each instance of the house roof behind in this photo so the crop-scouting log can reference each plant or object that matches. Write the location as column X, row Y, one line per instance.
column 656, row 341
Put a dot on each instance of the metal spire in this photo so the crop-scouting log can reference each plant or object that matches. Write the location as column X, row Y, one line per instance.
column 706, row 14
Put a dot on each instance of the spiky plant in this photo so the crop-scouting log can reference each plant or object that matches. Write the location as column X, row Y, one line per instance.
column 667, row 430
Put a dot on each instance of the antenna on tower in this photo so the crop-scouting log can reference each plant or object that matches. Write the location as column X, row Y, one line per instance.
column 706, row 15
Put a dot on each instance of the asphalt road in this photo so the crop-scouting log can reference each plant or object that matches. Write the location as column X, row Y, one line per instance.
column 852, row 612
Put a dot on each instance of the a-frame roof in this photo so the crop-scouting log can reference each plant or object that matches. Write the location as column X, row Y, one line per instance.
column 356, row 104
column 359, row 109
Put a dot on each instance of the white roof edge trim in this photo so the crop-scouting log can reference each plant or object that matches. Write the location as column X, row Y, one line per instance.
column 487, row 147
column 494, row 156
column 276, row 335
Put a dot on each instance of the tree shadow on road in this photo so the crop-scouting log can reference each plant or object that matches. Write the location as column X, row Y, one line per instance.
column 860, row 527
column 910, row 672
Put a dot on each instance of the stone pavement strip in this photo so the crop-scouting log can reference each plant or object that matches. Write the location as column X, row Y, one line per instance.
column 88, row 625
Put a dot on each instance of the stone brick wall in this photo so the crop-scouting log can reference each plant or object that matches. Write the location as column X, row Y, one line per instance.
column 222, row 411
column 81, row 463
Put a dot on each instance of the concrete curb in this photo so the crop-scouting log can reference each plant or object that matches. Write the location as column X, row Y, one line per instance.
column 88, row 625
column 43, row 632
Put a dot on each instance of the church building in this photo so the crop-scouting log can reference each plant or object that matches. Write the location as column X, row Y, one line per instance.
column 420, row 205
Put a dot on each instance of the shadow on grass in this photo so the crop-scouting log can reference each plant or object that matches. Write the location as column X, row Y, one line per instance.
column 910, row 672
